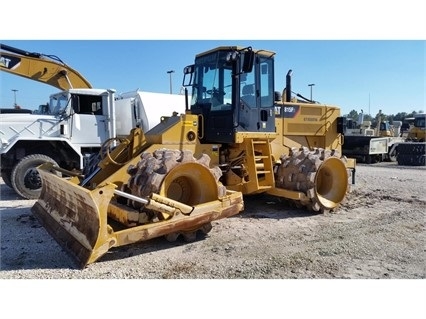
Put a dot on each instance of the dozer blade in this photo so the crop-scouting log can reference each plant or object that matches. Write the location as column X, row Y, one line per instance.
column 74, row 216
column 77, row 218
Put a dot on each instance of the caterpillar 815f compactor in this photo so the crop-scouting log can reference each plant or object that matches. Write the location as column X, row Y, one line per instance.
column 237, row 137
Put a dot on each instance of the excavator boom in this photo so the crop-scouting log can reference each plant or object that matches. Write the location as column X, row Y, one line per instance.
column 39, row 67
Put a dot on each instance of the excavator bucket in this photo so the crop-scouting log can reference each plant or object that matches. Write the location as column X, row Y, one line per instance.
column 80, row 219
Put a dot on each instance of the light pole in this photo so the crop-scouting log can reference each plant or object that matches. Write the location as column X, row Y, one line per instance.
column 311, row 85
column 170, row 76
column 14, row 95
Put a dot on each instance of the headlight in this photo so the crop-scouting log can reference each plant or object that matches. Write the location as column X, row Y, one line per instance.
column 3, row 143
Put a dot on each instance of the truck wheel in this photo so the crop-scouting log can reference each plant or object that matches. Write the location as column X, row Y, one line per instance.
column 391, row 157
column 368, row 159
column 5, row 175
column 25, row 178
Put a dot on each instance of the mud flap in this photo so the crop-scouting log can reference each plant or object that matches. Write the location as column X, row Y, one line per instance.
column 74, row 216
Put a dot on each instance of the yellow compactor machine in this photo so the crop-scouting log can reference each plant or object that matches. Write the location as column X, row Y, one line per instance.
column 238, row 136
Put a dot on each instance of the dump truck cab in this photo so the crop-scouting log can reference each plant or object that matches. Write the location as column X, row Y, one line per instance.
column 232, row 92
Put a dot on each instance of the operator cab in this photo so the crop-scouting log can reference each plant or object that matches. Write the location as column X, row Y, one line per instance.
column 232, row 92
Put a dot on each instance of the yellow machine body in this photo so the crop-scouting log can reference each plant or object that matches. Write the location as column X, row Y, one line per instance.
column 89, row 220
column 418, row 131
column 195, row 167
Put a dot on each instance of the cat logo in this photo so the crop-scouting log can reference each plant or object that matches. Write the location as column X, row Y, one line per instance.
column 9, row 62
column 4, row 62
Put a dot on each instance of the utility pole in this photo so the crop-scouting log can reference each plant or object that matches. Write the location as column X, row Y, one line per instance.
column 369, row 104
column 170, row 76
column 311, row 85
column 14, row 95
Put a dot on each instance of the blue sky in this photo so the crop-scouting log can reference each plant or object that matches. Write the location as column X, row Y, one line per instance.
column 353, row 74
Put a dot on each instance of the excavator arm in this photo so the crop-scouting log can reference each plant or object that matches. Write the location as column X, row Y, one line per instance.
column 39, row 67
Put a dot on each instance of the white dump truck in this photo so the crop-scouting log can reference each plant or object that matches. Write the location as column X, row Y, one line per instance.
column 78, row 123
column 75, row 123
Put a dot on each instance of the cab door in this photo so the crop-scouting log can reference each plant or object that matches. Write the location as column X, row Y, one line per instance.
column 88, row 121
column 256, row 107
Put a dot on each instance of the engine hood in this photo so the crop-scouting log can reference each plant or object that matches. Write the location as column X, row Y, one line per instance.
column 15, row 127
column 24, row 117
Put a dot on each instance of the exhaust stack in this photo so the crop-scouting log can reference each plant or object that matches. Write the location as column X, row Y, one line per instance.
column 288, row 86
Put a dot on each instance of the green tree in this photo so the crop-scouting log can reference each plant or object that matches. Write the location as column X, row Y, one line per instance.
column 400, row 116
column 368, row 117
column 352, row 115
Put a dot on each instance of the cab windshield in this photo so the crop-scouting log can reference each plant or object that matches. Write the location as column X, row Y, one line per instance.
column 213, row 81
column 212, row 84
column 420, row 121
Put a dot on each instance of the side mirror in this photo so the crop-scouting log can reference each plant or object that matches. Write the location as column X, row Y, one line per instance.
column 248, row 61
column 75, row 103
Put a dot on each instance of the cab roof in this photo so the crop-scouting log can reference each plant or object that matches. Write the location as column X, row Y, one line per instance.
column 265, row 53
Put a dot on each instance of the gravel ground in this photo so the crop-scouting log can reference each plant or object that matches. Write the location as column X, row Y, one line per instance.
column 378, row 233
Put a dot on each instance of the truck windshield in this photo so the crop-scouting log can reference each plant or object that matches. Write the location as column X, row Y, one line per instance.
column 58, row 103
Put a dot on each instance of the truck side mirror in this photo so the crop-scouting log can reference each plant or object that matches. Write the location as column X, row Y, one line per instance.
column 75, row 103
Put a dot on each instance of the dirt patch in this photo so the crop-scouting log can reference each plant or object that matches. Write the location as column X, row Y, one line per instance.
column 378, row 233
